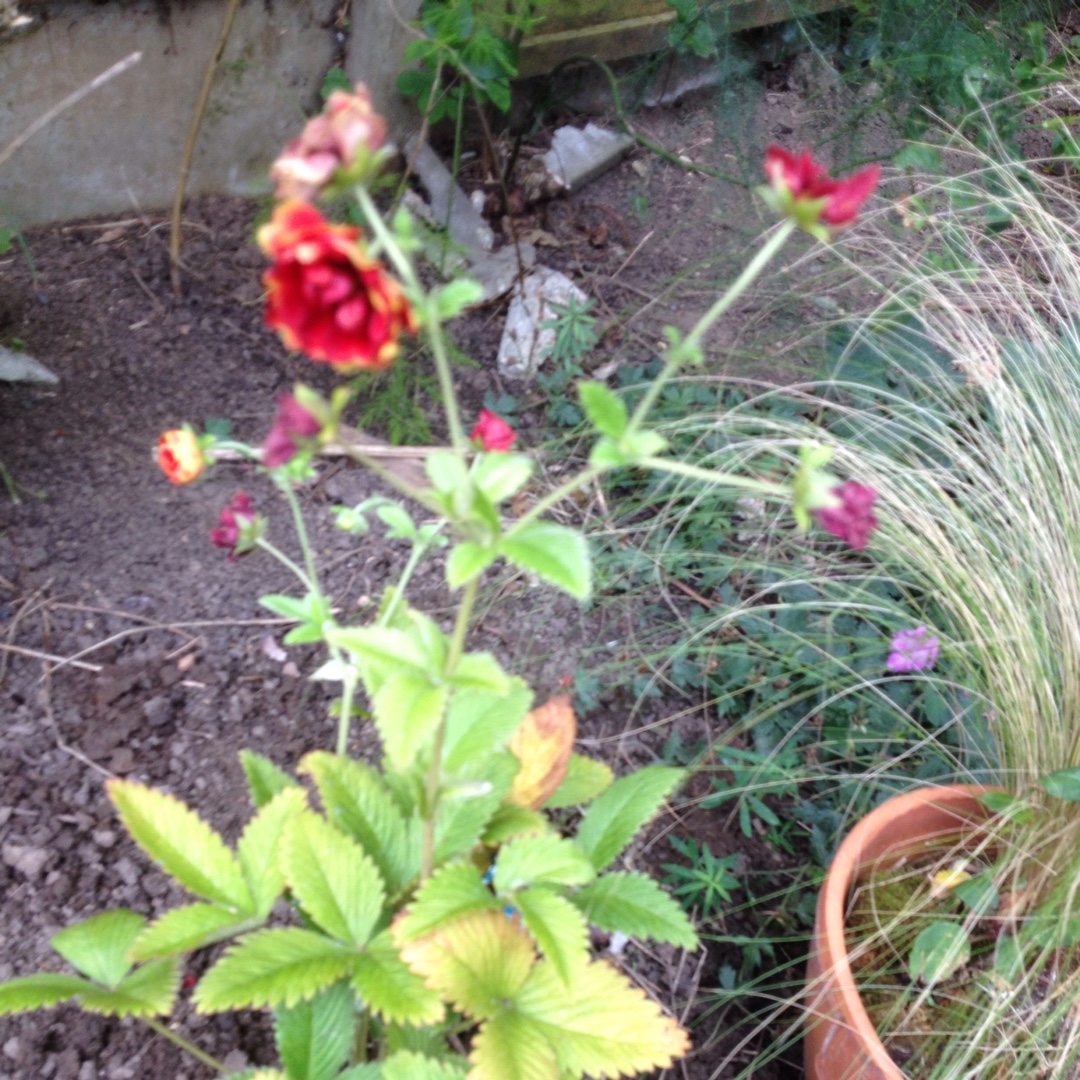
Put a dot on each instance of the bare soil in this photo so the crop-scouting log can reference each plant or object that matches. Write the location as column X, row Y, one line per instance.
column 129, row 646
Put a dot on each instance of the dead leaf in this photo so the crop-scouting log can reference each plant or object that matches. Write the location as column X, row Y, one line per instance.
column 110, row 235
column 543, row 745
column 540, row 238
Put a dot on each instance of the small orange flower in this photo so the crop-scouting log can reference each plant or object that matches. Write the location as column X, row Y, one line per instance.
column 326, row 296
column 180, row 456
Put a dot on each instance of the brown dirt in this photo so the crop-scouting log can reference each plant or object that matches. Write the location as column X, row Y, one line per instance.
column 102, row 560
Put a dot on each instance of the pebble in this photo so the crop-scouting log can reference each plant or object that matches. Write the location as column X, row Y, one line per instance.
column 158, row 711
column 104, row 838
column 29, row 861
column 127, row 870
column 13, row 1049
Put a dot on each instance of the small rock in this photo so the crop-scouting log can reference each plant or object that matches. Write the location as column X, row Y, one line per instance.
column 19, row 367
column 126, row 870
column 158, row 711
column 235, row 1061
column 579, row 155
column 466, row 226
column 155, row 883
column 498, row 272
column 122, row 760
column 13, row 1049
column 104, row 838
column 524, row 344
column 29, row 861
column 88, row 1071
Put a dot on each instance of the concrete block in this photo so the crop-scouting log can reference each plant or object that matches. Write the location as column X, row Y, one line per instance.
column 467, row 225
column 525, row 344
column 578, row 155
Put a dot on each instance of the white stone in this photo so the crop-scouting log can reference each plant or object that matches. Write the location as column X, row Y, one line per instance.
column 524, row 344
column 578, row 155
column 466, row 225
column 20, row 367
column 498, row 272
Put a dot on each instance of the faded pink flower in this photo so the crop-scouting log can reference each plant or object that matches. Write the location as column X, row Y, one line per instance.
column 492, row 432
column 807, row 192
column 853, row 519
column 912, row 650
column 293, row 425
column 348, row 128
column 238, row 526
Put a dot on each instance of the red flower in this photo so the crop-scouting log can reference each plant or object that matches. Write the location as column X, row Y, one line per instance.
column 326, row 296
column 343, row 135
column 853, row 520
column 492, row 432
column 238, row 526
column 805, row 190
column 180, row 456
column 292, row 425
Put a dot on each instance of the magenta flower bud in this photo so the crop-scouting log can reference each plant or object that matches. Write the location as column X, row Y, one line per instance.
column 852, row 520
column 292, row 425
column 239, row 527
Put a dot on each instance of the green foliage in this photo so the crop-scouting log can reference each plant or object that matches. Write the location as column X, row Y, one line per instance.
column 314, row 1038
column 633, row 904
column 575, row 337
column 707, row 882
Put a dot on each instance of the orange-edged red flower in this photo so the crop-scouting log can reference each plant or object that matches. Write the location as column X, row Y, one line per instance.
column 803, row 189
column 492, row 432
column 326, row 296
column 180, row 456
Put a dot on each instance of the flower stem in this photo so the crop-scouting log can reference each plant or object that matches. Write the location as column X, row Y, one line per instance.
column 434, row 773
column 711, row 476
column 302, row 536
column 689, row 345
column 556, row 495
column 348, row 689
column 179, row 1040
column 285, row 561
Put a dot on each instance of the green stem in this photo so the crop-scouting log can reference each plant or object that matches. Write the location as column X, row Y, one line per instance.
column 179, row 1040
column 285, row 561
column 446, row 381
column 711, row 476
column 434, row 773
column 348, row 689
column 689, row 345
column 302, row 536
column 417, row 494
column 556, row 495
column 386, row 239
column 419, row 548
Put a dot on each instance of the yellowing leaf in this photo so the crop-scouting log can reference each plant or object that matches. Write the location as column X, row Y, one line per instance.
column 947, row 880
column 543, row 745
column 476, row 962
column 508, row 1047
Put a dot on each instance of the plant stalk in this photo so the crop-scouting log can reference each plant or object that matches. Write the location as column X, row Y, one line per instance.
column 179, row 1040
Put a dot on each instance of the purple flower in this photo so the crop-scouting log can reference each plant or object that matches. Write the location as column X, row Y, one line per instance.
column 913, row 650
column 853, row 519
column 294, row 424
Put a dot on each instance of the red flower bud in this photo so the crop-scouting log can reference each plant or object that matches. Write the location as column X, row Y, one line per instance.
column 238, row 526
column 492, row 432
column 346, row 130
column 326, row 296
column 292, row 425
column 180, row 456
column 804, row 189
column 853, row 519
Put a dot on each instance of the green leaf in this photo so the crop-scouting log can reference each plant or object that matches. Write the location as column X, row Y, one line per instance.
column 386, row 986
column 480, row 671
column 100, row 945
column 455, row 296
column 466, row 561
column 264, row 778
column 558, row 928
column 462, row 820
column 272, row 967
column 370, row 1071
column 615, row 816
column 186, row 928
column 477, row 962
column 584, row 780
column 358, row 801
column 501, row 475
column 314, row 1038
column 1063, row 784
column 509, row 1047
column 979, row 893
column 511, row 820
column 149, row 990
column 181, row 843
column 454, row 889
column 290, row 607
column 547, row 859
column 939, row 951
column 39, row 991
column 336, row 883
column 600, row 1025
column 555, row 553
column 408, row 709
column 407, row 1065
column 604, row 408
column 381, row 646
column 258, row 848
column 478, row 722
column 447, row 472
column 633, row 904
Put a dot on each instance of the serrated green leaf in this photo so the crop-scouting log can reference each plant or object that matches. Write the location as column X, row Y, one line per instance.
column 181, row 843
column 1063, row 784
column 185, row 929
column 272, row 967
column 604, row 408
column 336, row 883
column 314, row 1038
column 454, row 889
column 600, row 1025
column 39, row 991
column 382, row 646
column 476, row 962
column 940, row 950
column 461, row 821
column 387, row 986
column 558, row 928
column 407, row 1065
column 258, row 848
column 372, row 1070
column 455, row 296
column 447, row 471
column 150, row 990
column 501, row 475
column 264, row 778
column 509, row 1047
column 633, row 904
column 555, row 553
column 614, row 817
column 546, row 860
column 290, row 607
column 358, row 801
column 466, row 560
column 511, row 820
column 99, row 946
column 584, row 780
column 480, row 671
column 478, row 722
column 408, row 709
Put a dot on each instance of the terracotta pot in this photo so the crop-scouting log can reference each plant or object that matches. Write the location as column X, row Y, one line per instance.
column 840, row 1041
